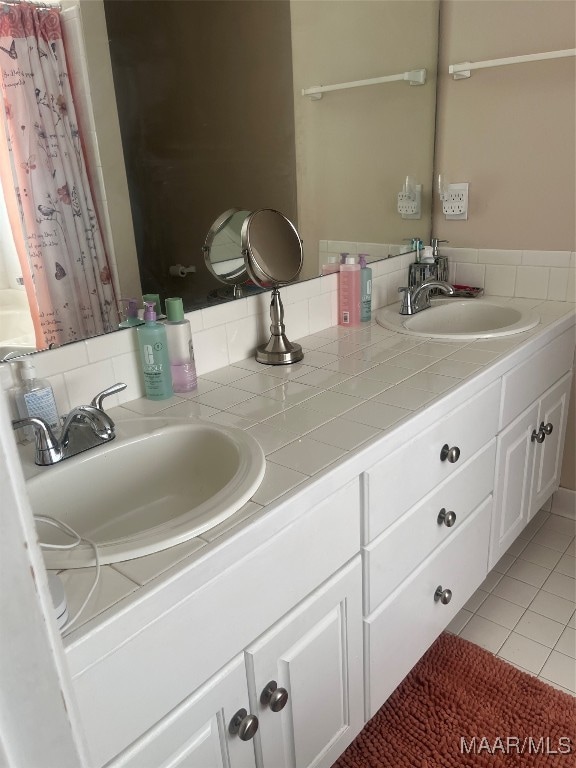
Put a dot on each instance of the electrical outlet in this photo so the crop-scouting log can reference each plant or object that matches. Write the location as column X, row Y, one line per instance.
column 455, row 202
column 409, row 207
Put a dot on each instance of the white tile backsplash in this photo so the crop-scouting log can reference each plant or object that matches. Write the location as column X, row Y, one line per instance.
column 515, row 273
column 228, row 333
column 532, row 282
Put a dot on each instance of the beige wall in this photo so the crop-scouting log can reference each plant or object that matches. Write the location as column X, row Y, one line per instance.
column 509, row 131
column 354, row 148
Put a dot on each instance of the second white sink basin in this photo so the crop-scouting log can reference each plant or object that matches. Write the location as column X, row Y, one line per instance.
column 460, row 319
column 160, row 482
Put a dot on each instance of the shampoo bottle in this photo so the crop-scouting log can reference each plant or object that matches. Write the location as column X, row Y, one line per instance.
column 349, row 293
column 180, row 350
column 34, row 397
column 365, row 289
column 154, row 356
column 131, row 312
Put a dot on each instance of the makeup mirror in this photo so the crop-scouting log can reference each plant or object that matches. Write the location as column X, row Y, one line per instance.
column 223, row 250
column 272, row 250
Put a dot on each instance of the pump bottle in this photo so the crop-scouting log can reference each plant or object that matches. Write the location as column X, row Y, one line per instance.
column 153, row 346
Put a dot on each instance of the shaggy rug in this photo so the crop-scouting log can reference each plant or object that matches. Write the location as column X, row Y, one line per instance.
column 461, row 706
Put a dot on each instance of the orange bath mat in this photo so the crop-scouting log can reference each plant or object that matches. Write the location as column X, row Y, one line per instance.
column 461, row 706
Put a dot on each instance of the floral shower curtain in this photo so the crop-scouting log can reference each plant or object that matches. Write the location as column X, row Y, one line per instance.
column 65, row 252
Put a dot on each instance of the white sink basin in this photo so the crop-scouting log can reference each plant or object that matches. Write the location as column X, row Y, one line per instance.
column 160, row 482
column 460, row 319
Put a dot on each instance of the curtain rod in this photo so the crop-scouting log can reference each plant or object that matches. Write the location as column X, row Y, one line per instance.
column 37, row 3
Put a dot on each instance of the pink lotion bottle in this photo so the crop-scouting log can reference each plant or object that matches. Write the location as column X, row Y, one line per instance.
column 349, row 293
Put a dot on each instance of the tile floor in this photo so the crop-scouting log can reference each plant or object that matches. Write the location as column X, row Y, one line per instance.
column 525, row 610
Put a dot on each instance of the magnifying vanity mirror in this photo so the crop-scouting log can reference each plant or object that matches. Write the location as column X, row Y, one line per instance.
column 222, row 250
column 272, row 249
column 262, row 247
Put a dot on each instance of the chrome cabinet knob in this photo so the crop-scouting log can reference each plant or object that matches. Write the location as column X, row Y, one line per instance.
column 547, row 428
column 452, row 454
column 274, row 697
column 539, row 436
column 448, row 518
column 443, row 595
column 243, row 725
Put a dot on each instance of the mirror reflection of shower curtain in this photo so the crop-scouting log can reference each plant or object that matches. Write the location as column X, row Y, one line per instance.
column 65, row 252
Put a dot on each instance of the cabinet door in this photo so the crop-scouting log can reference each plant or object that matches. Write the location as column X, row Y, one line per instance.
column 514, row 465
column 315, row 654
column 195, row 734
column 548, row 455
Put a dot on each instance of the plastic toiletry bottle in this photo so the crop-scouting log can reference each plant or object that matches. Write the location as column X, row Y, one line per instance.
column 427, row 256
column 349, row 293
column 131, row 313
column 365, row 289
column 155, row 298
column 154, row 355
column 343, row 257
column 180, row 350
column 332, row 265
column 34, row 397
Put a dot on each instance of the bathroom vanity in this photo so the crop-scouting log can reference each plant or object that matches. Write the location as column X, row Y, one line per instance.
column 272, row 645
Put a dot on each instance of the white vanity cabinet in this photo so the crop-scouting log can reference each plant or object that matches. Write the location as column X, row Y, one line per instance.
column 529, row 453
column 196, row 734
column 313, row 659
column 308, row 618
column 289, row 608
column 428, row 558
column 294, row 698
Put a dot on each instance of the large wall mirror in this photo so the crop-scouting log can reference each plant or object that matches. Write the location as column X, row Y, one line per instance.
column 211, row 116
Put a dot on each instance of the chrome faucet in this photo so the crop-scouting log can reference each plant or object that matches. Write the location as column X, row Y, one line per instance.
column 85, row 427
column 418, row 298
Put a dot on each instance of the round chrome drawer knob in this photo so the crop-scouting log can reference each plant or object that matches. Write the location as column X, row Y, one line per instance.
column 539, row 436
column 452, row 454
column 274, row 697
column 448, row 518
column 243, row 725
column 443, row 595
column 547, row 428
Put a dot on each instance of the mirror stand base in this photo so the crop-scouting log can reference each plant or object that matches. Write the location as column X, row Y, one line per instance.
column 279, row 351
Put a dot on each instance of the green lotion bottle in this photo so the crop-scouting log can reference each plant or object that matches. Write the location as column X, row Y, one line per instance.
column 153, row 346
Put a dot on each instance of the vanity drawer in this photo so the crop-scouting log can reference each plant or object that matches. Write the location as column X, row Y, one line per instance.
column 403, row 478
column 391, row 558
column 527, row 381
column 408, row 622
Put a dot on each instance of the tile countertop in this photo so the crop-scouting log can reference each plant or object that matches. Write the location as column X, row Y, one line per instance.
column 311, row 419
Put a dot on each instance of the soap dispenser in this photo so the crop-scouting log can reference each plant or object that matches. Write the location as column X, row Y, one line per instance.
column 153, row 345
column 365, row 289
column 131, row 313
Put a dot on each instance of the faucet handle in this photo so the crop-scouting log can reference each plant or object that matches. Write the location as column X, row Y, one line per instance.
column 97, row 400
column 47, row 448
column 406, row 308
